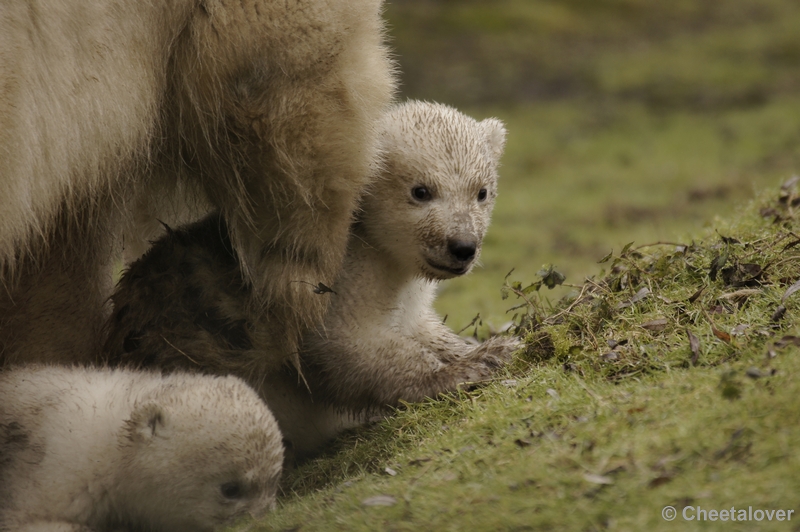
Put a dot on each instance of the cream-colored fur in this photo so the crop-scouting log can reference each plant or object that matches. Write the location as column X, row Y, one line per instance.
column 182, row 306
column 105, row 450
column 263, row 110
column 382, row 341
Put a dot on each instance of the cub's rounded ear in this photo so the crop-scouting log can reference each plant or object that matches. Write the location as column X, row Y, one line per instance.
column 147, row 422
column 495, row 133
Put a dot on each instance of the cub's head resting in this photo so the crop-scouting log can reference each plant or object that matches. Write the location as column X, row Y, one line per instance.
column 430, row 206
column 199, row 457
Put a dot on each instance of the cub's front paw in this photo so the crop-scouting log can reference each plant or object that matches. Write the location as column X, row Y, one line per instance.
column 480, row 363
column 496, row 351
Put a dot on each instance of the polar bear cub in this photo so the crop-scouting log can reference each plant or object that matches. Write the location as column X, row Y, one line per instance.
column 95, row 450
column 422, row 221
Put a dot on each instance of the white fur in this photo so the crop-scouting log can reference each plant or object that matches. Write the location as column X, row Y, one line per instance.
column 382, row 341
column 106, row 449
column 181, row 305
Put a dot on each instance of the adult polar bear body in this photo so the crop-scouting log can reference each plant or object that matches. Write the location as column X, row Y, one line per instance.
column 262, row 109
column 109, row 449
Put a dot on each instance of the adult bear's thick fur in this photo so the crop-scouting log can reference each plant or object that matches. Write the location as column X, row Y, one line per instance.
column 263, row 110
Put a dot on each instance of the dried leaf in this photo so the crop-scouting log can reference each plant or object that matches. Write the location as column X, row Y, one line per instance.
column 768, row 212
column 778, row 314
column 616, row 466
column 790, row 183
column 694, row 345
column 660, row 480
column 717, row 264
column 747, row 274
column 791, row 290
column 658, row 324
column 693, row 297
column 786, row 195
column 788, row 340
column 739, row 329
column 755, row 373
column 522, row 443
column 641, row 294
column 389, row 471
column 722, row 335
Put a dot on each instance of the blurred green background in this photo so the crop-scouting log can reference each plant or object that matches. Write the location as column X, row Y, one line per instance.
column 628, row 120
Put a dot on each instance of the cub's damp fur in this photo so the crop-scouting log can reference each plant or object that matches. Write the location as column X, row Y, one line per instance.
column 104, row 450
column 423, row 219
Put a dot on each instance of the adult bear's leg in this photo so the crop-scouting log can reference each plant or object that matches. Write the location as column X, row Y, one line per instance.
column 81, row 85
column 278, row 115
column 53, row 307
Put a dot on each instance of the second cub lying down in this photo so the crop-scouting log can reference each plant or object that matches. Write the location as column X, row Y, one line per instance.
column 183, row 305
column 96, row 450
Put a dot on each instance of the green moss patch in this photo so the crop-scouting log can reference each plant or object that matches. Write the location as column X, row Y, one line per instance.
column 668, row 379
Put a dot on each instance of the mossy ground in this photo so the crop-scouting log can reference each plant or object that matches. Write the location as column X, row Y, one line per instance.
column 611, row 413
column 628, row 121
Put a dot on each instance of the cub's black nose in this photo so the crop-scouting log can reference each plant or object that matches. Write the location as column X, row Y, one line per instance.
column 462, row 250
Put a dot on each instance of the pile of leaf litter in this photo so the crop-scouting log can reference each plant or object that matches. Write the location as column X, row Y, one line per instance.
column 675, row 305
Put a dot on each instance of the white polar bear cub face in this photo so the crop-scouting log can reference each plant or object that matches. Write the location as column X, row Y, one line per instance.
column 217, row 447
column 432, row 203
column 111, row 449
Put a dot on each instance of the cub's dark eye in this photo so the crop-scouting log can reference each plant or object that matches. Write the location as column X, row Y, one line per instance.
column 482, row 194
column 231, row 490
column 421, row 193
